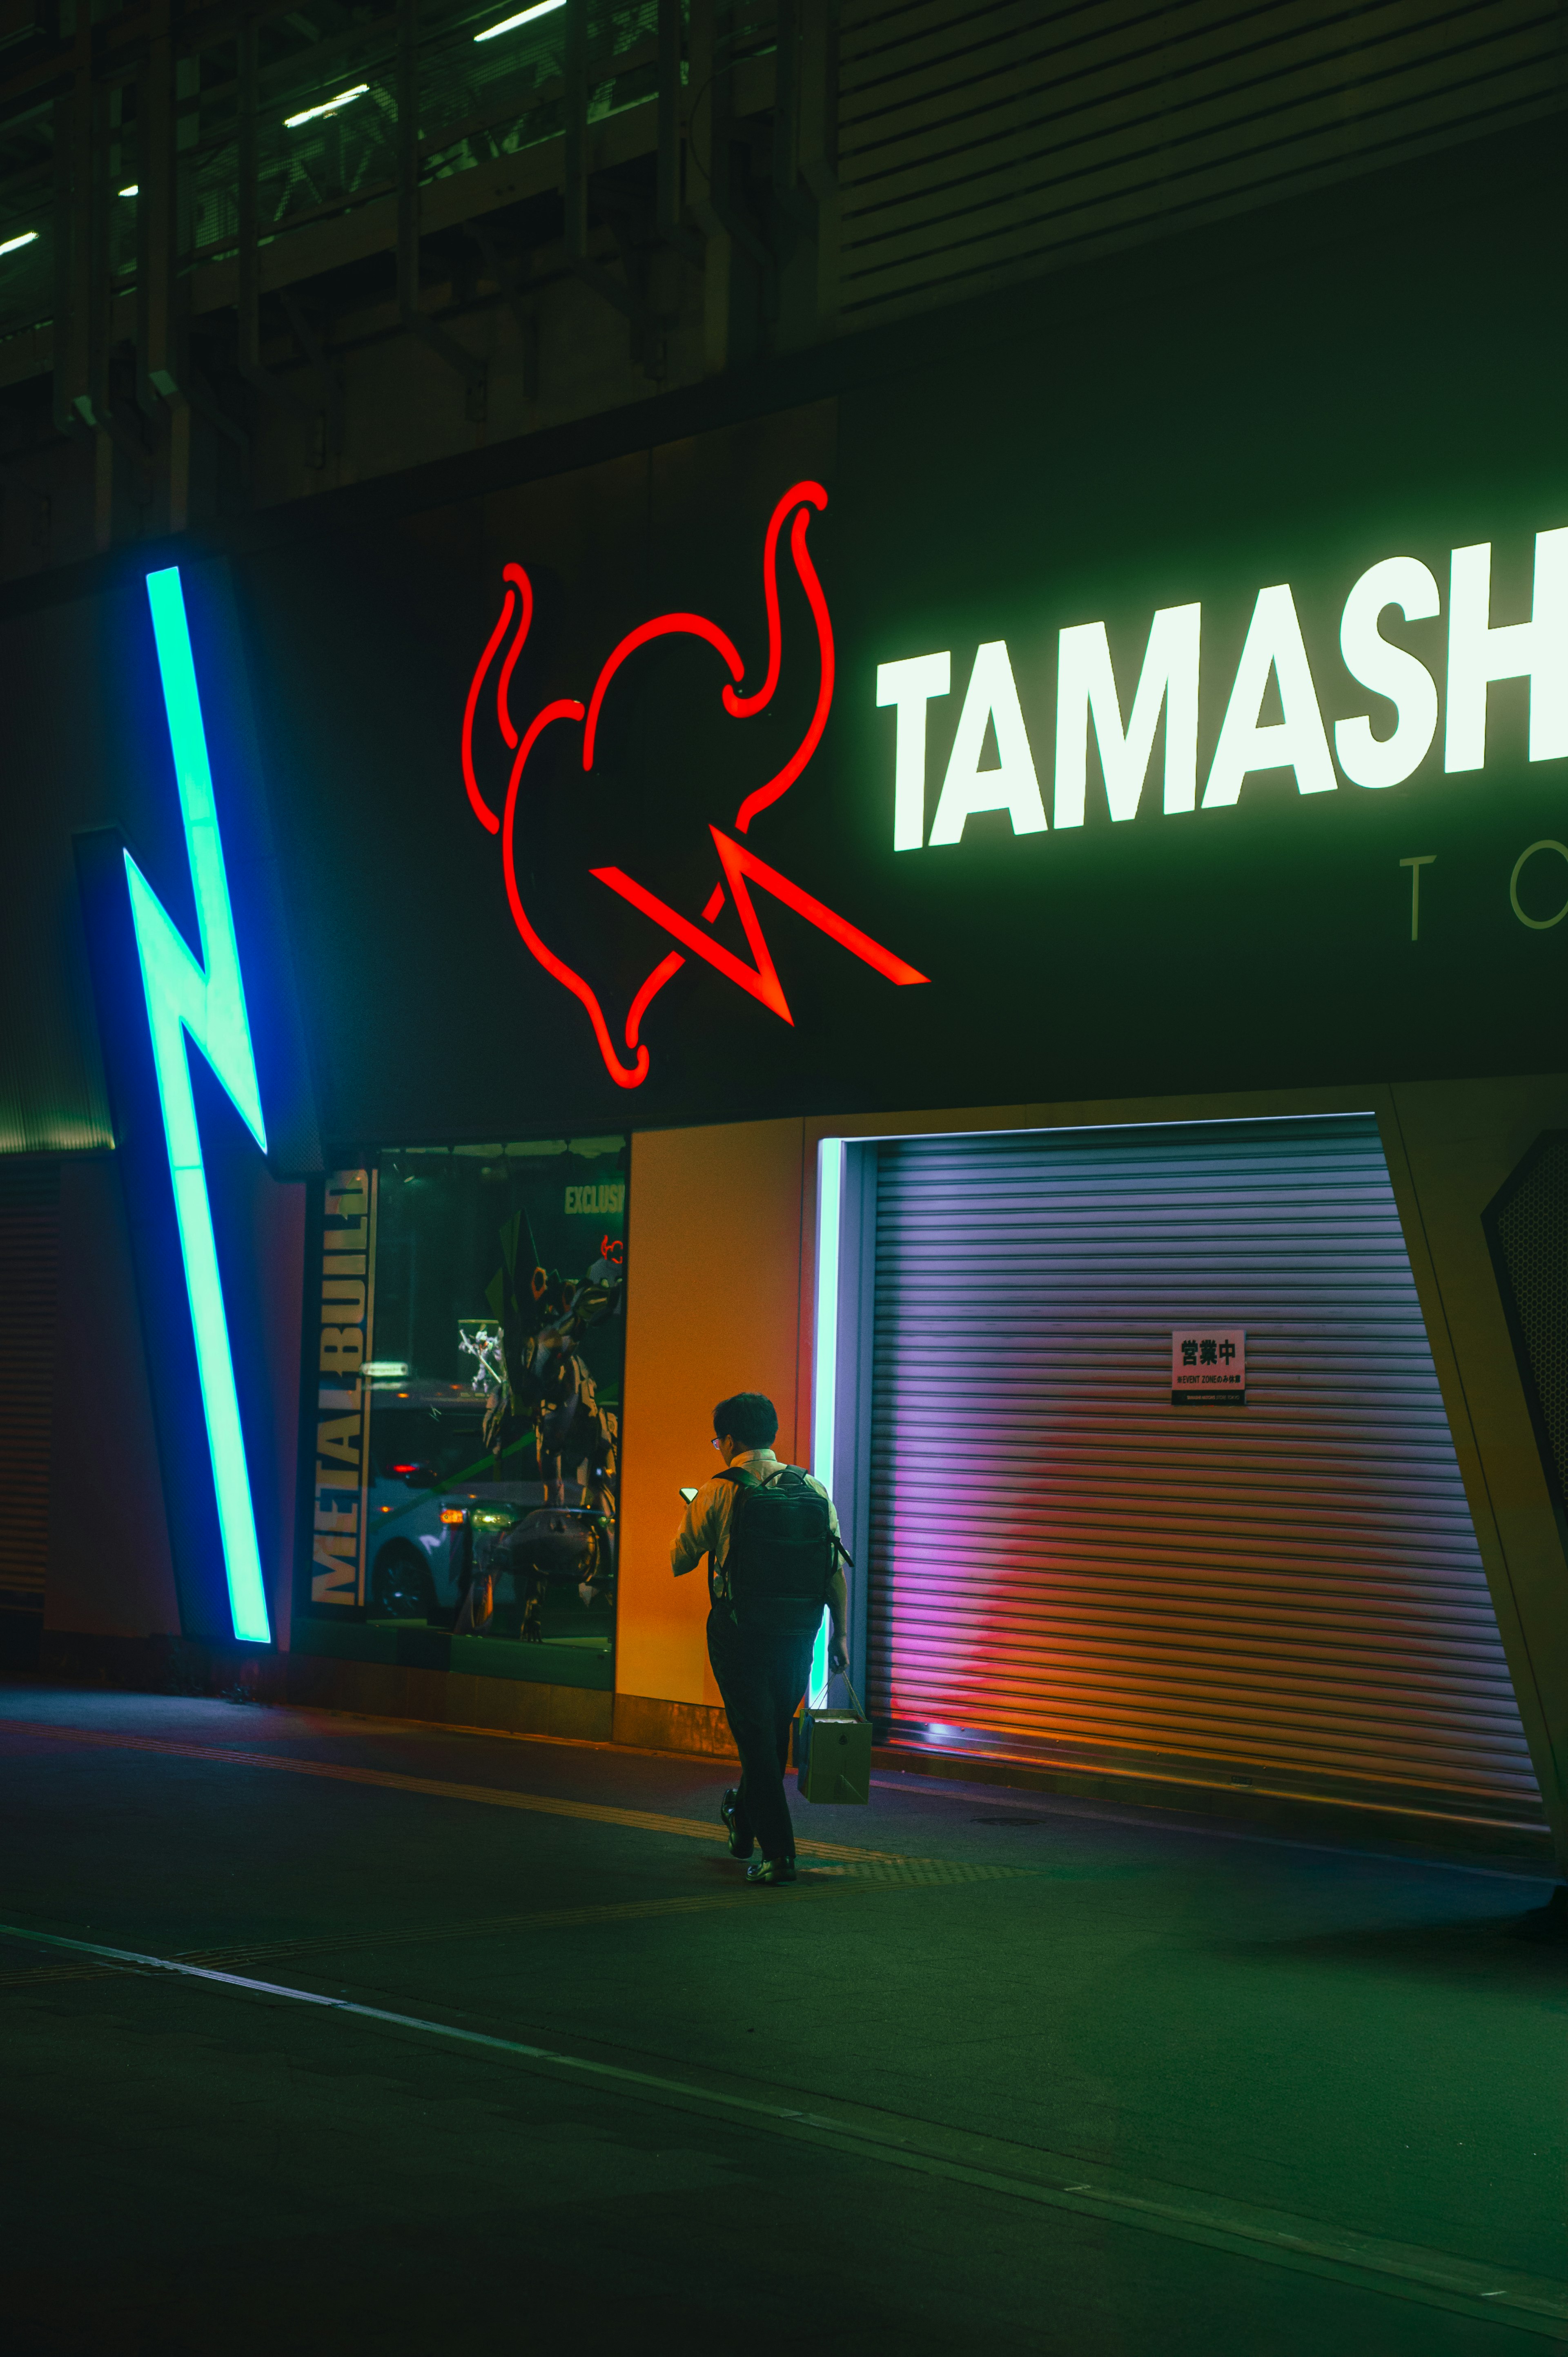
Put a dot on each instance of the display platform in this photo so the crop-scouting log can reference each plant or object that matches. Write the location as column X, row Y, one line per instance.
column 413, row 1645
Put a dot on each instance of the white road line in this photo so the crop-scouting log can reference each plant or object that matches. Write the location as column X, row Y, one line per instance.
column 1431, row 2278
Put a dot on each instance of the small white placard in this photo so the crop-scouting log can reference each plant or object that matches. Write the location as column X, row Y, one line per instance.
column 1209, row 1362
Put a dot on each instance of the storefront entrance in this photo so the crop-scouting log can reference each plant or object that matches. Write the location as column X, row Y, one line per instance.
column 1276, row 1585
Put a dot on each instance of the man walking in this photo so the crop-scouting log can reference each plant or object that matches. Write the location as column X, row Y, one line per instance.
column 771, row 1538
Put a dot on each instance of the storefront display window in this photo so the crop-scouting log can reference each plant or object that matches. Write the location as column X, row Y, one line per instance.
column 492, row 1381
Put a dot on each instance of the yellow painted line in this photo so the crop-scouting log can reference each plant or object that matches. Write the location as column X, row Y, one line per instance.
column 52, row 1972
column 646, row 1821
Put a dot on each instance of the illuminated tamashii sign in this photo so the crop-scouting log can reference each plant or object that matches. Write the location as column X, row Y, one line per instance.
column 1088, row 699
column 740, row 871
column 1224, row 692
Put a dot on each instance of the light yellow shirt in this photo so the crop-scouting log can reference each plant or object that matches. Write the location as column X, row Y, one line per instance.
column 705, row 1528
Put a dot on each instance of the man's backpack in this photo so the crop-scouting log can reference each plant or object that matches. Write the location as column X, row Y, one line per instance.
column 781, row 1555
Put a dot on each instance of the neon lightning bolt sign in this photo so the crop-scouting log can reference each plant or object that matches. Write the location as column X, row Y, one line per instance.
column 206, row 1001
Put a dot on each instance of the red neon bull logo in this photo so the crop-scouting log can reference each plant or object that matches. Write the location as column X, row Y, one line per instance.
column 741, row 874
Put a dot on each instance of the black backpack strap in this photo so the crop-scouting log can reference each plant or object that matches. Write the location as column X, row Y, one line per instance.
column 741, row 1481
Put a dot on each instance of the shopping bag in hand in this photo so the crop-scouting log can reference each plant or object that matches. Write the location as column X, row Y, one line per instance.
column 833, row 1753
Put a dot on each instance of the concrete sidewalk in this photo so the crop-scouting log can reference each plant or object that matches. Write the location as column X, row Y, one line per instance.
column 1072, row 2079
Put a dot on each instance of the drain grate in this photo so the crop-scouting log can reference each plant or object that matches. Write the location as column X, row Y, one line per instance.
column 921, row 1870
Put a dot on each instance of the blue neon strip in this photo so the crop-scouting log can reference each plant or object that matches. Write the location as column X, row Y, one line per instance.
column 824, row 1356
column 205, row 1002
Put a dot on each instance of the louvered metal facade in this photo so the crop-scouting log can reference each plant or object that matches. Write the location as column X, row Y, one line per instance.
column 29, row 1278
column 1286, row 1594
column 981, row 145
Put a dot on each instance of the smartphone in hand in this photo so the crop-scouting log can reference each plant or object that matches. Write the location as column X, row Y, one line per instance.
column 688, row 1495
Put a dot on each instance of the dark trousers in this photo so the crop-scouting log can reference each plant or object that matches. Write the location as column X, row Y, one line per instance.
column 762, row 1680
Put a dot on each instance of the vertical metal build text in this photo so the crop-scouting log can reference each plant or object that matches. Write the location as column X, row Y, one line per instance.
column 343, row 1392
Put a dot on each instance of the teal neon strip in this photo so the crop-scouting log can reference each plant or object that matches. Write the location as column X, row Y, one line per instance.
column 206, row 1003
column 825, row 1356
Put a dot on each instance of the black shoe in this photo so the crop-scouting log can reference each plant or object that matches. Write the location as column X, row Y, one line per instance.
column 771, row 1870
column 737, row 1848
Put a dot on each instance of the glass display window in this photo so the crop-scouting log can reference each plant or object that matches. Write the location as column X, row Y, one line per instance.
column 491, row 1388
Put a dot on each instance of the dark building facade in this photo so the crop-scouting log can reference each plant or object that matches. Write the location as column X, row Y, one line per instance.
column 972, row 842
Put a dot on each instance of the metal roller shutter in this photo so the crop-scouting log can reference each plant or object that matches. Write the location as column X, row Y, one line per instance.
column 30, row 1275
column 1287, row 1594
column 980, row 144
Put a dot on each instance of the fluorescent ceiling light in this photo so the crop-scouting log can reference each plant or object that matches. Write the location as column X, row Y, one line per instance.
column 133, row 191
column 328, row 106
column 510, row 24
column 11, row 244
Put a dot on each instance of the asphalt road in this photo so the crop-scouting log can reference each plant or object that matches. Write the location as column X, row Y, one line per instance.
column 997, row 2072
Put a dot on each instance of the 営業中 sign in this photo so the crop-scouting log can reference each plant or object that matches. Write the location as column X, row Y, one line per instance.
column 1209, row 1362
